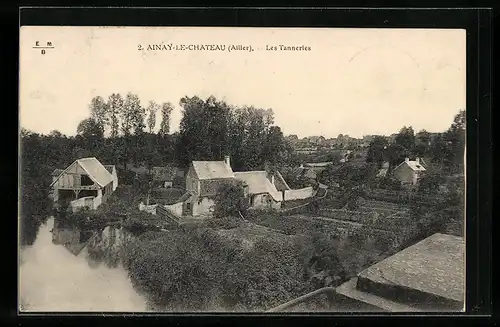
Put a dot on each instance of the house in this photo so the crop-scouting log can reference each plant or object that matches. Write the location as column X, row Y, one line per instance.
column 203, row 180
column 427, row 276
column 409, row 171
column 112, row 170
column 262, row 191
column 85, row 183
column 164, row 176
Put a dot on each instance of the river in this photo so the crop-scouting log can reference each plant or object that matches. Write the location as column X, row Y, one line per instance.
column 52, row 278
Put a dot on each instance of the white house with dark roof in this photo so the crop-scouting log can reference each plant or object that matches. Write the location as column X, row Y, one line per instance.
column 85, row 183
column 409, row 171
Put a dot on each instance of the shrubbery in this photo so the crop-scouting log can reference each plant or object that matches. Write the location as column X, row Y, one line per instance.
column 228, row 222
column 387, row 183
column 203, row 270
column 125, row 177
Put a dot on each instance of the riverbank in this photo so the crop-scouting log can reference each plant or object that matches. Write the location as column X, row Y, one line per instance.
column 51, row 278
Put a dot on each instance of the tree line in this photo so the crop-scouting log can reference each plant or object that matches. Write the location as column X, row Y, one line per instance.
column 209, row 130
column 444, row 149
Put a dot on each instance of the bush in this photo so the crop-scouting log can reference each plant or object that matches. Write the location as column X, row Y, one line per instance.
column 387, row 183
column 228, row 222
column 230, row 199
column 175, row 271
column 125, row 177
column 430, row 183
column 192, row 271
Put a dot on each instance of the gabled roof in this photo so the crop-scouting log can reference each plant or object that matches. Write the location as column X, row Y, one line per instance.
column 96, row 171
column 414, row 165
column 212, row 170
column 280, row 182
column 110, row 168
column 258, row 183
column 57, row 172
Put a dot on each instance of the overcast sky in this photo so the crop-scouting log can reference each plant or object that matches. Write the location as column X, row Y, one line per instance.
column 353, row 81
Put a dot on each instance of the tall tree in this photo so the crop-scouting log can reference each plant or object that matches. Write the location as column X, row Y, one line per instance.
column 132, row 115
column 115, row 107
column 274, row 146
column 377, row 150
column 396, row 153
column 92, row 133
column 166, row 111
column 422, row 144
column 90, row 128
column 99, row 111
column 152, row 109
column 203, row 130
column 423, row 137
column 455, row 138
column 406, row 139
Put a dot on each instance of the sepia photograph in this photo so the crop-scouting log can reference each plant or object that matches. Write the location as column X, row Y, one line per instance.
column 241, row 170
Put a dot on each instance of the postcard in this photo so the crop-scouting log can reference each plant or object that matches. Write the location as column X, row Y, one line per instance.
column 235, row 169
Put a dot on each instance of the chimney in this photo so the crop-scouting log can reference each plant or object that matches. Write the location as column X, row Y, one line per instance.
column 227, row 160
column 407, row 159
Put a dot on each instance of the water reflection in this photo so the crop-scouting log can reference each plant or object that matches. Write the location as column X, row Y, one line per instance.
column 67, row 269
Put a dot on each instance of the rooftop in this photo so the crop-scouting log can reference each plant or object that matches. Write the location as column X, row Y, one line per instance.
column 57, row 172
column 414, row 164
column 109, row 168
column 212, row 170
column 96, row 171
column 258, row 183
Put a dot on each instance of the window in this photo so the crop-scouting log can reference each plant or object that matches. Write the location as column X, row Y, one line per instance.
column 188, row 206
column 86, row 181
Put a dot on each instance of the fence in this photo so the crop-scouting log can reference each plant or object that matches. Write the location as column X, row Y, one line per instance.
column 90, row 202
column 395, row 221
column 176, row 208
column 168, row 215
column 148, row 208
column 401, row 196
column 302, row 193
